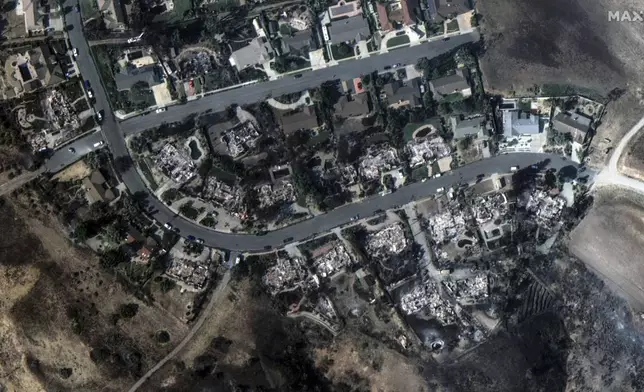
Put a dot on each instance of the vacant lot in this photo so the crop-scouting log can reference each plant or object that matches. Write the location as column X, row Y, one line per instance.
column 609, row 240
column 58, row 329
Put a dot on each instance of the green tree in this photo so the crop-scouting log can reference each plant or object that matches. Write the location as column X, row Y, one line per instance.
column 112, row 258
column 114, row 232
column 81, row 232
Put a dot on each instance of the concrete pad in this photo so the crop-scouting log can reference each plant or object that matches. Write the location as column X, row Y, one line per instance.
column 162, row 95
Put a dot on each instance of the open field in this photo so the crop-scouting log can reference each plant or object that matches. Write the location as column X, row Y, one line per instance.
column 59, row 317
column 549, row 42
column 609, row 240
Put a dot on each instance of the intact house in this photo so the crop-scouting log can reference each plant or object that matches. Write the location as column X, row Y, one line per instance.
column 29, row 71
column 97, row 188
column 343, row 23
column 400, row 94
column 396, row 13
column 473, row 127
column 112, row 12
column 517, row 123
column 294, row 120
column 440, row 10
column 258, row 51
column 131, row 75
column 575, row 124
column 354, row 101
column 452, row 84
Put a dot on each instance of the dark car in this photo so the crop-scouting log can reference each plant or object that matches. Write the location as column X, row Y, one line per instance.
column 268, row 247
column 289, row 239
column 446, row 39
column 191, row 238
column 297, row 76
column 387, row 67
column 87, row 84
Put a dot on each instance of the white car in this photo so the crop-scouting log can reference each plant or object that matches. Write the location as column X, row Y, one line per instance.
column 90, row 94
column 437, row 175
column 160, row 110
column 168, row 226
column 439, row 190
column 74, row 52
column 98, row 144
column 424, row 179
column 99, row 116
column 514, row 168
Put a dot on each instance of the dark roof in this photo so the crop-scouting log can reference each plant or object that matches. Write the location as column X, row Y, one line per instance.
column 442, row 9
column 297, row 42
column 131, row 75
column 349, row 29
column 398, row 91
column 348, row 106
column 574, row 123
column 294, row 120
column 449, row 84
column 97, row 187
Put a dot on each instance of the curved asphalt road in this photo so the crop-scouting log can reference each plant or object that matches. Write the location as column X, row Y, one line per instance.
column 342, row 215
column 243, row 242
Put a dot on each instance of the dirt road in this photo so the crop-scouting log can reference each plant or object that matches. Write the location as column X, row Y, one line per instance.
column 216, row 295
column 19, row 181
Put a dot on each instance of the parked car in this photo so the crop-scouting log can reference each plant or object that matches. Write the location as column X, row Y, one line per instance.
column 72, row 150
column 200, row 240
column 74, row 52
column 86, row 84
column 287, row 240
column 297, row 76
column 439, row 190
column 191, row 238
column 99, row 116
column 437, row 175
column 514, row 168
column 168, row 226
column 160, row 110
column 98, row 144
column 90, row 94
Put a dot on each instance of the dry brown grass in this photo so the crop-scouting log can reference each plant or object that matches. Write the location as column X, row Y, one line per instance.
column 350, row 355
column 41, row 278
column 609, row 240
column 77, row 171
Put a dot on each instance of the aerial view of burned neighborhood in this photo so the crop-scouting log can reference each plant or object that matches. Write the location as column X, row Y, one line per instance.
column 321, row 195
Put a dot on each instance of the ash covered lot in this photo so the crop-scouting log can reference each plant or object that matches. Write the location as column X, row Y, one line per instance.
column 609, row 240
column 568, row 42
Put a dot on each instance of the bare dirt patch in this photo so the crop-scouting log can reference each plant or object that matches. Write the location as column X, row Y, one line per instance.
column 609, row 240
column 57, row 325
column 77, row 171
column 354, row 357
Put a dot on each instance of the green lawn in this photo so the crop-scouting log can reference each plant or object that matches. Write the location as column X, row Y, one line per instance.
column 452, row 26
column 419, row 173
column 341, row 51
column 454, row 97
column 148, row 175
column 397, row 41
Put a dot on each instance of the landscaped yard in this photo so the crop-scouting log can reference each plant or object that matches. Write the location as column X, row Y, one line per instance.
column 452, row 26
column 148, row 175
column 341, row 51
column 397, row 41
column 178, row 14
